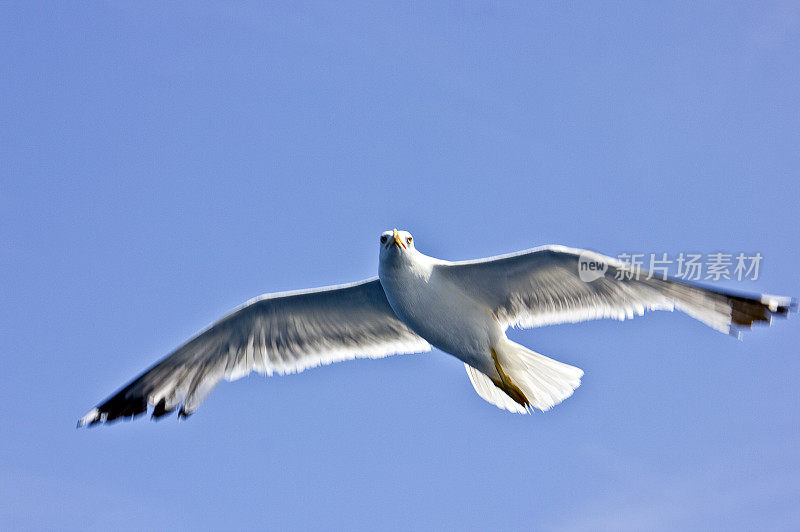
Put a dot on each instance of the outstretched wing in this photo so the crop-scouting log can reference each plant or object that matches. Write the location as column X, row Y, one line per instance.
column 276, row 333
column 544, row 286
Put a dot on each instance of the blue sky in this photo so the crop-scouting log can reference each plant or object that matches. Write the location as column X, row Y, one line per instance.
column 161, row 164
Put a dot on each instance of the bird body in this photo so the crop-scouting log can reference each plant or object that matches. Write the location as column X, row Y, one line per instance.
column 437, row 310
column 462, row 308
column 424, row 294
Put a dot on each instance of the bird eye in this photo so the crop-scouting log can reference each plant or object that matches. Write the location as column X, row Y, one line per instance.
column 409, row 239
column 383, row 239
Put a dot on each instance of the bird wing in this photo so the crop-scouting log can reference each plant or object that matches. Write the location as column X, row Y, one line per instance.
column 275, row 333
column 543, row 286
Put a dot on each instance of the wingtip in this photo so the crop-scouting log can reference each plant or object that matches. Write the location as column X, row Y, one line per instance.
column 779, row 304
column 92, row 417
column 97, row 416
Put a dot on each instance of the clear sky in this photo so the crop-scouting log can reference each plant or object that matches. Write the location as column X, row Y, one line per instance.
column 161, row 164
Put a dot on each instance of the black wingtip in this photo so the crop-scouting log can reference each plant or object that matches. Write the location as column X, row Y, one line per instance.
column 115, row 408
column 749, row 311
column 161, row 410
column 113, row 411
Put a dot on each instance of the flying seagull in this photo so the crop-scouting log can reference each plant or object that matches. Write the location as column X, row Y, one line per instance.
column 417, row 301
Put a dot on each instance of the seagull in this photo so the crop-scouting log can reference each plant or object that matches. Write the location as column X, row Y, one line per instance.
column 418, row 302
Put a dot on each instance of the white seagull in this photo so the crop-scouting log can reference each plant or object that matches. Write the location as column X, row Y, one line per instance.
column 417, row 301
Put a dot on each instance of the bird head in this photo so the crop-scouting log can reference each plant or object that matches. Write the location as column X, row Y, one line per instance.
column 396, row 242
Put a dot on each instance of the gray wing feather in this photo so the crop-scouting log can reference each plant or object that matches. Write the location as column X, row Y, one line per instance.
column 542, row 286
column 275, row 333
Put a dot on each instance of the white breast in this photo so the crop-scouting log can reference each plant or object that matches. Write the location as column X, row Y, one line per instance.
column 439, row 311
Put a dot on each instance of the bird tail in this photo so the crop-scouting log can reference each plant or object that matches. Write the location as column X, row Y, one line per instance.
column 541, row 381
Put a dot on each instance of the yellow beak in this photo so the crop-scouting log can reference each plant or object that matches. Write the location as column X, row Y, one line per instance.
column 397, row 240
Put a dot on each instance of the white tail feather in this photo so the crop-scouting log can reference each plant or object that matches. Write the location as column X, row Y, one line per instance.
column 491, row 393
column 544, row 382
